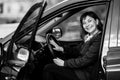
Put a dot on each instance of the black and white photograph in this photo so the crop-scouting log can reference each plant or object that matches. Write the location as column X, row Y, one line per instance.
column 59, row 40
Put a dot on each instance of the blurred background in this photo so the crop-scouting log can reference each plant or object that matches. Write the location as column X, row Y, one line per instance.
column 12, row 11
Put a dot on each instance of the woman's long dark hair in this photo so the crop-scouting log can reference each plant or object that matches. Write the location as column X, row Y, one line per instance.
column 93, row 15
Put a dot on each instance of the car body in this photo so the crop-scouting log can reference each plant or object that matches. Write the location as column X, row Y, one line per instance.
column 65, row 15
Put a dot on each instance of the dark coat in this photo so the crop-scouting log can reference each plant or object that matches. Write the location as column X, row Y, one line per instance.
column 88, row 56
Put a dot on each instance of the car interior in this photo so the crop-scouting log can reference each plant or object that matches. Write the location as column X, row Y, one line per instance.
column 34, row 58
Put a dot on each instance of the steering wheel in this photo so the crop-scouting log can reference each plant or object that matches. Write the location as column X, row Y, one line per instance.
column 48, row 38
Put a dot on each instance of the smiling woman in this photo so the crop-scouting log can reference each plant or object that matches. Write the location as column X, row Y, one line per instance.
column 75, row 68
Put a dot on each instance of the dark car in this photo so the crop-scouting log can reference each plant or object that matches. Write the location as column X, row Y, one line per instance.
column 27, row 50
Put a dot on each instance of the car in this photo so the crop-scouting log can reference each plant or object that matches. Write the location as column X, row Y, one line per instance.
column 27, row 50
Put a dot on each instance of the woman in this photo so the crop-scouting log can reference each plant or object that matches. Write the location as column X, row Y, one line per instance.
column 81, row 67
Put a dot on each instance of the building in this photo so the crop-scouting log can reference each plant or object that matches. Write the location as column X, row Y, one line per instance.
column 12, row 11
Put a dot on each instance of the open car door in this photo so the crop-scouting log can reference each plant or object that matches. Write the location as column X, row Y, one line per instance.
column 16, row 60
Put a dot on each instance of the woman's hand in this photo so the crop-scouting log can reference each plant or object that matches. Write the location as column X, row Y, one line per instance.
column 57, row 47
column 58, row 61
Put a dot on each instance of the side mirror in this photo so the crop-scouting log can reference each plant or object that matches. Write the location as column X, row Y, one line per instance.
column 23, row 54
column 57, row 32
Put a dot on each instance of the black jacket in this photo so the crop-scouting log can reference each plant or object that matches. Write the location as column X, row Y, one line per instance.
column 88, row 56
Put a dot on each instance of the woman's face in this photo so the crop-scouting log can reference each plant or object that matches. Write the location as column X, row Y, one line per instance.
column 90, row 24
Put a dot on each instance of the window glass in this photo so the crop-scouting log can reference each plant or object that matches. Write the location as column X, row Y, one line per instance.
column 71, row 26
column 31, row 19
column 71, row 30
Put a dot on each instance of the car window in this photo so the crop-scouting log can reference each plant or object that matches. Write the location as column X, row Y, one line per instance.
column 71, row 26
